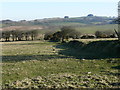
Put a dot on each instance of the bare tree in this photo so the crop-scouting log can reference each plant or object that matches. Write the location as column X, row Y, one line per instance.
column 98, row 34
column 48, row 35
column 33, row 34
column 65, row 33
column 6, row 35
column 14, row 35
column 27, row 35
column 75, row 34
column 20, row 35
column 57, row 36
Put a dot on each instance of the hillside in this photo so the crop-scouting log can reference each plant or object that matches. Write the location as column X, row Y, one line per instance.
column 22, row 27
column 86, row 24
column 87, row 20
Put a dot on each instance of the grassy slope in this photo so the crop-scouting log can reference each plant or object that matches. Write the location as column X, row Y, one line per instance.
column 67, row 24
column 99, row 49
column 82, row 27
column 36, row 58
column 85, row 29
column 92, row 28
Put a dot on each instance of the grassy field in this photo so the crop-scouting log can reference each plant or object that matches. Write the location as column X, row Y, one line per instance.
column 84, row 29
column 37, row 64
column 92, row 29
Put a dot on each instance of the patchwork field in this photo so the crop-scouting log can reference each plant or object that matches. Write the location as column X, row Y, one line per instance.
column 43, row 64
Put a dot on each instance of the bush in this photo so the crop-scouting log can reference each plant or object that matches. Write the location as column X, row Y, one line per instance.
column 88, row 37
column 48, row 35
column 106, row 34
column 63, row 35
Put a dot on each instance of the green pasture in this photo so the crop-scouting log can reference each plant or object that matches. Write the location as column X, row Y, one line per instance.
column 84, row 29
column 93, row 28
column 31, row 59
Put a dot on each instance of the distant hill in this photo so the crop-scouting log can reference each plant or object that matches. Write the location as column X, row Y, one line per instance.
column 76, row 21
column 87, row 24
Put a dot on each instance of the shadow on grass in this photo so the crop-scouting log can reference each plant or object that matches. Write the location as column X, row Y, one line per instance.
column 19, row 58
column 92, row 50
column 116, row 67
column 37, row 43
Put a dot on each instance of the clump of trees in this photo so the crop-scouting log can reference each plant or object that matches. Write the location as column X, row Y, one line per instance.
column 48, row 35
column 88, row 36
column 90, row 15
column 19, row 35
column 105, row 34
column 63, row 35
column 66, row 16
column 67, row 32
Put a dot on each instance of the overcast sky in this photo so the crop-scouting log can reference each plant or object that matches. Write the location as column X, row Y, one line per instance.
column 38, row 9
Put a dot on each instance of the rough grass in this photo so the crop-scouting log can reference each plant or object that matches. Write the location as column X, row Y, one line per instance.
column 85, row 29
column 91, row 29
column 27, row 60
column 91, row 49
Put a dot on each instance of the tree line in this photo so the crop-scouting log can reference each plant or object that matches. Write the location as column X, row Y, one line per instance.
column 67, row 32
column 18, row 35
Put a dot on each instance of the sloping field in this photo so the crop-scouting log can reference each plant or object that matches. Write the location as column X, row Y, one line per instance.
column 42, row 64
column 93, row 28
column 22, row 28
column 85, row 29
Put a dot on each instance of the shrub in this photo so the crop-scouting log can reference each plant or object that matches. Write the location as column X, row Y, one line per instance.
column 88, row 37
column 105, row 34
column 63, row 35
